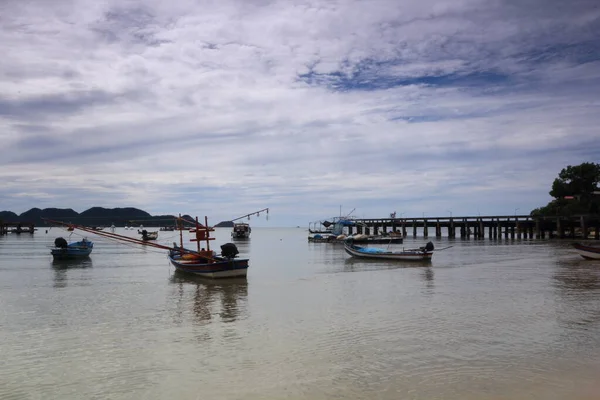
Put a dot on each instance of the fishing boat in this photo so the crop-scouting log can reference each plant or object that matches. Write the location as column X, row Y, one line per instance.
column 205, row 262
column 588, row 252
column 421, row 254
column 241, row 230
column 148, row 235
column 64, row 250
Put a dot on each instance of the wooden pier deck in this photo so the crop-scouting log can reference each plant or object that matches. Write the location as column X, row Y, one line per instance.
column 494, row 227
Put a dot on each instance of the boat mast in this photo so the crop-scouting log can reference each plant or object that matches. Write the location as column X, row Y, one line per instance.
column 180, row 225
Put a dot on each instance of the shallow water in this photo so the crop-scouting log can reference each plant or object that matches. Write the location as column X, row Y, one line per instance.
column 503, row 319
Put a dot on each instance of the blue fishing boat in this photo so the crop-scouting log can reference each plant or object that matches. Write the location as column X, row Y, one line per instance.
column 421, row 254
column 63, row 250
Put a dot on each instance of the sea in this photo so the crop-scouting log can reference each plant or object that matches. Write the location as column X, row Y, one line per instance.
column 485, row 319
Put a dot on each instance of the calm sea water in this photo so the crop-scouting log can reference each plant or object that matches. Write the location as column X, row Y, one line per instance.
column 485, row 320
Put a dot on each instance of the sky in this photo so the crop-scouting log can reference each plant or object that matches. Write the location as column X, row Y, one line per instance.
column 221, row 108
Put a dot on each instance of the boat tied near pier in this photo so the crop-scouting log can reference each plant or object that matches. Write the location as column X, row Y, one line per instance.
column 424, row 253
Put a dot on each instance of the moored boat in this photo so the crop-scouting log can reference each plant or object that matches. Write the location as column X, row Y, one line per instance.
column 205, row 262
column 241, row 230
column 148, row 235
column 588, row 252
column 64, row 250
column 424, row 253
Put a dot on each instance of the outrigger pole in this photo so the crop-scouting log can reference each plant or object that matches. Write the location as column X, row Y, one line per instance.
column 128, row 239
column 253, row 213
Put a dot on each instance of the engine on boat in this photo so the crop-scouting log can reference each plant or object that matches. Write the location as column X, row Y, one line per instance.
column 60, row 242
column 428, row 247
column 229, row 250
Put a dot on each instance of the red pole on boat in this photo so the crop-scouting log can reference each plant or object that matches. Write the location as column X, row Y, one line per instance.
column 207, row 233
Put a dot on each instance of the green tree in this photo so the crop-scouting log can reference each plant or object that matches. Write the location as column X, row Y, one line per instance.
column 573, row 191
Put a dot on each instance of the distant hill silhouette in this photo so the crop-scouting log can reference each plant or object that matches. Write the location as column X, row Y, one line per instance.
column 95, row 216
column 224, row 224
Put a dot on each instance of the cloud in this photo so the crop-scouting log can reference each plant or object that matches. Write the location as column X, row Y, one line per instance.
column 223, row 107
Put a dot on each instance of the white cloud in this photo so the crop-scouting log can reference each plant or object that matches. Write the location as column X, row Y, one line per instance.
column 232, row 105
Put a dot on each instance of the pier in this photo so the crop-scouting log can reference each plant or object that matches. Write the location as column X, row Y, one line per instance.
column 16, row 227
column 480, row 227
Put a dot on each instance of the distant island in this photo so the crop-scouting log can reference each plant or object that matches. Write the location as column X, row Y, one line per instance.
column 224, row 224
column 95, row 216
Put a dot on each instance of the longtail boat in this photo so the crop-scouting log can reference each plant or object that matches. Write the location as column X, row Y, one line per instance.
column 205, row 262
column 588, row 252
column 421, row 254
column 64, row 250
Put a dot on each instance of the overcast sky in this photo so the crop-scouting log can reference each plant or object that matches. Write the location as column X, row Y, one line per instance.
column 221, row 107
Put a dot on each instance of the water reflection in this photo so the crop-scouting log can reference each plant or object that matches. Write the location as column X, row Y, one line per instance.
column 354, row 265
column 578, row 288
column 427, row 275
column 61, row 268
column 223, row 298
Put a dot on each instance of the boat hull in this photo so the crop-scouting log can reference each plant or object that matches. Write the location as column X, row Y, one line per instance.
column 406, row 255
column 222, row 268
column 587, row 252
column 69, row 253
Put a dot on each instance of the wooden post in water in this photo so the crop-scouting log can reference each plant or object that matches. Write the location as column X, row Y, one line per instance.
column 481, row 229
column 490, row 233
column 438, row 229
column 538, row 233
column 584, row 229
column 451, row 229
column 518, row 227
column 560, row 229
column 404, row 229
column 425, row 232
column 414, row 228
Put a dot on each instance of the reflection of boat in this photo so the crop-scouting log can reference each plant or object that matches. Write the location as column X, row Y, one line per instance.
column 589, row 252
column 80, row 249
column 421, row 254
column 148, row 235
column 205, row 262
column 241, row 230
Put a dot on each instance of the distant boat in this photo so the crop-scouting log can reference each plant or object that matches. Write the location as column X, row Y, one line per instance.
column 421, row 254
column 63, row 250
column 148, row 235
column 588, row 252
column 241, row 230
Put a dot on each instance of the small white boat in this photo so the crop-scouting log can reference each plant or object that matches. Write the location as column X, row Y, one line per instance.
column 241, row 230
column 588, row 252
column 421, row 254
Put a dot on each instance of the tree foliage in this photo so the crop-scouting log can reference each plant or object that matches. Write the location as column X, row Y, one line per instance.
column 573, row 191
